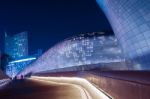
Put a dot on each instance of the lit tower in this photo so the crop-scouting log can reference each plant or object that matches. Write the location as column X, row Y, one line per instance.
column 16, row 46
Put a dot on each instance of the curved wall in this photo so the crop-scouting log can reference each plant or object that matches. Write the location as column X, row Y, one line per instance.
column 89, row 49
column 130, row 20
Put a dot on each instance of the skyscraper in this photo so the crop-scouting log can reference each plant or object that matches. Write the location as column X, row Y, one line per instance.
column 16, row 46
column 16, row 49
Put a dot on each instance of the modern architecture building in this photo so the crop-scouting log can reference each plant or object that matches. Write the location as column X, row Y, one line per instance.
column 130, row 21
column 84, row 49
column 14, row 67
column 16, row 49
column 16, row 46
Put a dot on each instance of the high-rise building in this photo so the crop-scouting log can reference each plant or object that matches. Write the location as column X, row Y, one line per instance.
column 16, row 49
column 16, row 46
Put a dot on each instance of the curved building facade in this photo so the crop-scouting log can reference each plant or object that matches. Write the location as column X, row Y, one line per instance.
column 84, row 49
column 130, row 20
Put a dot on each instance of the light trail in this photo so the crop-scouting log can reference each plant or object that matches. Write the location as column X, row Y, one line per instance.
column 92, row 90
column 4, row 82
column 83, row 93
column 22, row 60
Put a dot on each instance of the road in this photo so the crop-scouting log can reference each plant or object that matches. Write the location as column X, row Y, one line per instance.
column 38, row 89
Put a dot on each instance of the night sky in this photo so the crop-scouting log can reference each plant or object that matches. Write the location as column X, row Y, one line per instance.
column 50, row 21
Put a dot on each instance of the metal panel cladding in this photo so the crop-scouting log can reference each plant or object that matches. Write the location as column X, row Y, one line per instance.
column 130, row 20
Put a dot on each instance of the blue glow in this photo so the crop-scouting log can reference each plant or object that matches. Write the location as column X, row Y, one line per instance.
column 14, row 67
column 22, row 60
column 17, row 46
column 102, row 4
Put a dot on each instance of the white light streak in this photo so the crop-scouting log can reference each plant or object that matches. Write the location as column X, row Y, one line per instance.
column 22, row 60
column 4, row 82
column 91, row 89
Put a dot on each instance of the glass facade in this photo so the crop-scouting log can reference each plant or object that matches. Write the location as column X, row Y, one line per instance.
column 84, row 49
column 17, row 45
column 130, row 20
column 14, row 67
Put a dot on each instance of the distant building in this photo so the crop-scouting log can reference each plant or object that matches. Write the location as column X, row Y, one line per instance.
column 16, row 46
column 16, row 66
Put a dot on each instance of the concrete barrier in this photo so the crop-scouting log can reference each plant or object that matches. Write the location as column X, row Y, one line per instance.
column 116, row 84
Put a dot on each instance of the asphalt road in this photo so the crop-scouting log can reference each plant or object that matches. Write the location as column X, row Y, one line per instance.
column 36, row 89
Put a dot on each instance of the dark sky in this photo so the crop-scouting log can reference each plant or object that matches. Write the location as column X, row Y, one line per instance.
column 50, row 21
